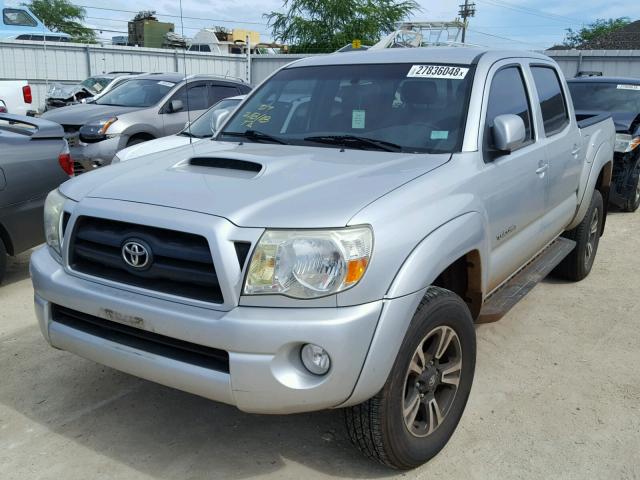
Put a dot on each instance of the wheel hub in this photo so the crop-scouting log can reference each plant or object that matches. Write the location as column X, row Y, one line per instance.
column 432, row 380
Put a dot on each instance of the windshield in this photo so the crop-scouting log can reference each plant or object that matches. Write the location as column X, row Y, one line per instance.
column 137, row 93
column 394, row 107
column 203, row 127
column 96, row 84
column 605, row 97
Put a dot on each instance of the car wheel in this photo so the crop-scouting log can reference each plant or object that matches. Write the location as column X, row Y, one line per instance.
column 136, row 141
column 3, row 261
column 633, row 202
column 412, row 418
column 577, row 265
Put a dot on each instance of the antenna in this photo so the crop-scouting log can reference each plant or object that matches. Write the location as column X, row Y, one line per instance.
column 186, row 78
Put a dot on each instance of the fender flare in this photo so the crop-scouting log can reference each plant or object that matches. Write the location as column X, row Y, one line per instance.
column 601, row 159
column 461, row 235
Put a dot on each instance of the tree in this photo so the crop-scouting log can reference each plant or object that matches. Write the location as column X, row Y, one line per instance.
column 326, row 25
column 63, row 16
column 597, row 30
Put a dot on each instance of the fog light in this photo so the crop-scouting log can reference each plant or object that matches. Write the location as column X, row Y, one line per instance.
column 315, row 359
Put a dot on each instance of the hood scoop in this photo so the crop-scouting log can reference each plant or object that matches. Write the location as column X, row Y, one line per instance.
column 222, row 166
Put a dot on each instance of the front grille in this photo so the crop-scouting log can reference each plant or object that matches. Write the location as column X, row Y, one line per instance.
column 181, row 263
column 187, row 352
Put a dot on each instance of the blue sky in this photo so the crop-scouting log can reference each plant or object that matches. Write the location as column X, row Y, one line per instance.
column 523, row 24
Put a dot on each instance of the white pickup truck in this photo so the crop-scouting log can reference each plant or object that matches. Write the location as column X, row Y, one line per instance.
column 15, row 97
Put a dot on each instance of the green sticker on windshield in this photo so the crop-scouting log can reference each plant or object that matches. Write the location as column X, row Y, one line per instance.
column 439, row 134
column 357, row 118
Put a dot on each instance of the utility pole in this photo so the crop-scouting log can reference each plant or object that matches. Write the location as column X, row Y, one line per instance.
column 467, row 10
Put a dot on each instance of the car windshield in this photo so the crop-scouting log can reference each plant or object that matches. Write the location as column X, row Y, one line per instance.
column 391, row 107
column 605, row 97
column 202, row 127
column 96, row 84
column 137, row 93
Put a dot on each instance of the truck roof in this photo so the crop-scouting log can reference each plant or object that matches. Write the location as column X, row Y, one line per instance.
column 447, row 55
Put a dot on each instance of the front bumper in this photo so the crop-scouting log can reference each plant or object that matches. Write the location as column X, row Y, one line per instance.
column 265, row 373
column 89, row 156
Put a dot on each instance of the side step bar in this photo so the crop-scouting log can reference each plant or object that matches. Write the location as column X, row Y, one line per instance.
column 502, row 300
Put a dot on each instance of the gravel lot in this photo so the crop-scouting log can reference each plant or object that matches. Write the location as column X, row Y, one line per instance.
column 556, row 395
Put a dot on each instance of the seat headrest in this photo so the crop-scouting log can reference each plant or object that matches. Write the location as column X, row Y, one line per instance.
column 419, row 92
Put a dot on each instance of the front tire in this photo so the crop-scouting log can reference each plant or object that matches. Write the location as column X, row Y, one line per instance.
column 414, row 415
column 577, row 265
column 633, row 202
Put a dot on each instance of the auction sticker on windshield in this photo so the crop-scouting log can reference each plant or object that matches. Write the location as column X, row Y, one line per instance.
column 628, row 87
column 438, row 71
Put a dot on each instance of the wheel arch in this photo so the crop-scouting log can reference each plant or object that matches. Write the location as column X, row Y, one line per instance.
column 451, row 257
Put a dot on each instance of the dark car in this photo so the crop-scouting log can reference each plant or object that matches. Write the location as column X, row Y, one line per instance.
column 34, row 160
column 621, row 98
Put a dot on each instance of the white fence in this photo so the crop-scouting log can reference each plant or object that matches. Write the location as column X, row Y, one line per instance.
column 614, row 63
column 41, row 64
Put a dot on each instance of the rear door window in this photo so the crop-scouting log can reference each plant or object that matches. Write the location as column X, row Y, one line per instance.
column 508, row 95
column 218, row 92
column 552, row 104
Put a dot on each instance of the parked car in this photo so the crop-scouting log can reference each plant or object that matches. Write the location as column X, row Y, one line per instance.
column 144, row 108
column 202, row 127
column 15, row 97
column 334, row 245
column 619, row 97
column 34, row 161
column 20, row 23
column 63, row 95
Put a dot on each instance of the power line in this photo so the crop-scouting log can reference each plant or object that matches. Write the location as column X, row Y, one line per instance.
column 173, row 16
column 530, row 11
column 505, row 38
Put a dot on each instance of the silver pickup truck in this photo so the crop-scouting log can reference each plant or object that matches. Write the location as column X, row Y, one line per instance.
column 333, row 246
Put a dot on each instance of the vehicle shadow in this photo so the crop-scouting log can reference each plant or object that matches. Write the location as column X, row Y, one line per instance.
column 163, row 432
column 17, row 268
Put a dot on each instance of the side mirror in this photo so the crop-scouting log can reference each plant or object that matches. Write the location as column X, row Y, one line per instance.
column 175, row 106
column 218, row 118
column 508, row 132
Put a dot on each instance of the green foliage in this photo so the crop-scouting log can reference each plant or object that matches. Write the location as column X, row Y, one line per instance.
column 63, row 16
column 594, row 31
column 326, row 25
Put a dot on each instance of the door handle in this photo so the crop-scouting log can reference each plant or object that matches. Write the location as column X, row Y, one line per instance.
column 576, row 150
column 542, row 168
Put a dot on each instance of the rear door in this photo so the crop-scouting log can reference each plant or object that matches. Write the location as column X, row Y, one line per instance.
column 561, row 142
column 514, row 185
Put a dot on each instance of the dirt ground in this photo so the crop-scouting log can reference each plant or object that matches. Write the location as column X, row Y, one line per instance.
column 556, row 395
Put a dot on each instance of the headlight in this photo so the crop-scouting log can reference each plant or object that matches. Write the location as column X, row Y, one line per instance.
column 309, row 263
column 96, row 131
column 626, row 143
column 53, row 220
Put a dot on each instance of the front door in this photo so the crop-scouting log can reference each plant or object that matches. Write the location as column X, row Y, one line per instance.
column 515, row 184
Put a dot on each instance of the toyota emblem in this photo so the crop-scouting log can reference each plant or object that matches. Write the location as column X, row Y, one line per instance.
column 136, row 254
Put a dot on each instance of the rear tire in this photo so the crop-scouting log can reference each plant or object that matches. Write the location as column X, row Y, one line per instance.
column 414, row 415
column 3, row 261
column 577, row 265
column 633, row 202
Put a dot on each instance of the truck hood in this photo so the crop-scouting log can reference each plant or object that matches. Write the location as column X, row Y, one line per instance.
column 295, row 187
column 82, row 113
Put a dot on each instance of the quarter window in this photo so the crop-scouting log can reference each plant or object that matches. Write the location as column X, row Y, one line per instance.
column 19, row 18
column 552, row 104
column 508, row 95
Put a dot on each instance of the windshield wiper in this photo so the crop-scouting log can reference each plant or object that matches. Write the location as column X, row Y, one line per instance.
column 256, row 136
column 355, row 141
